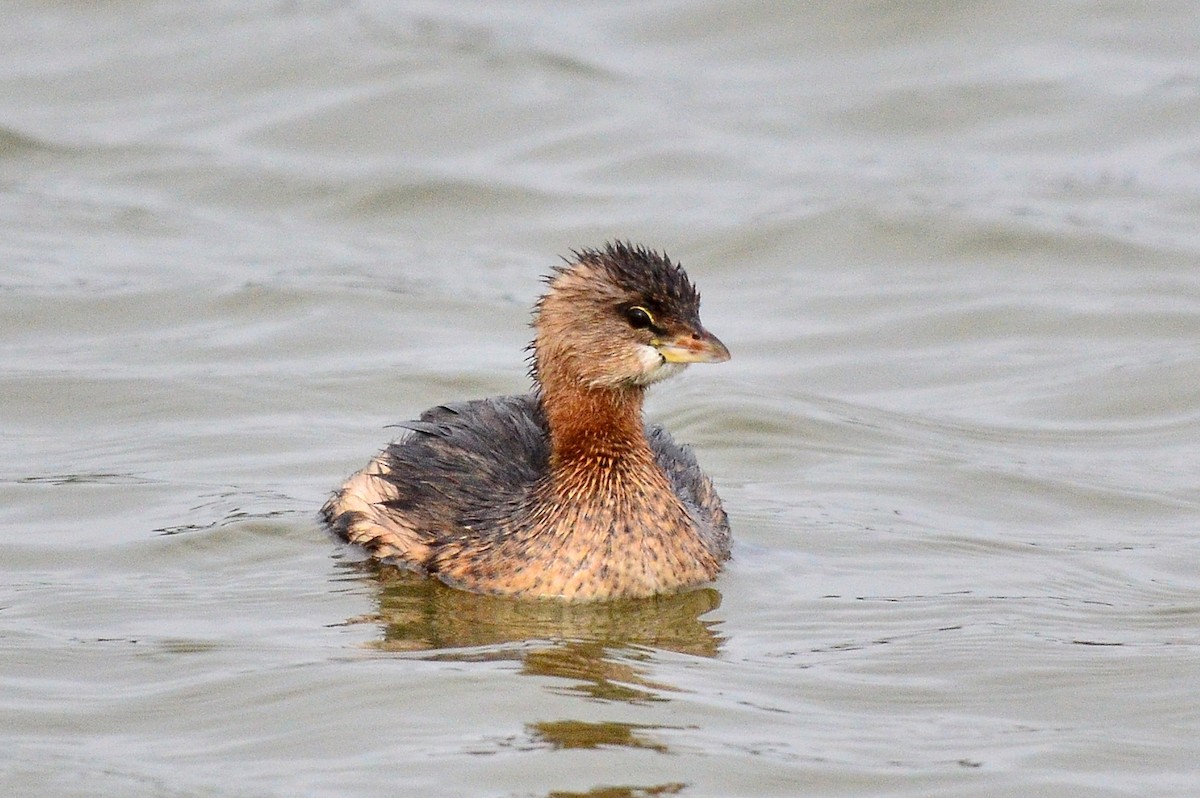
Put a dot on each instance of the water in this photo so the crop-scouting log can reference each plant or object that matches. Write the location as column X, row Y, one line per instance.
column 953, row 249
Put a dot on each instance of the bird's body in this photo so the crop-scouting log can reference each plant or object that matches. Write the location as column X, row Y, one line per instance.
column 562, row 492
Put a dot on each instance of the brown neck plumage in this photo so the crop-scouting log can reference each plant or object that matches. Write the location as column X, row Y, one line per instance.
column 594, row 410
column 592, row 423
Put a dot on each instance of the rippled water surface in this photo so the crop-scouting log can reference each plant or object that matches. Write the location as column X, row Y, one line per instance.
column 954, row 249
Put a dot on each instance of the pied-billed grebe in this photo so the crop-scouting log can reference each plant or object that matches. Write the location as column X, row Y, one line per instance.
column 561, row 492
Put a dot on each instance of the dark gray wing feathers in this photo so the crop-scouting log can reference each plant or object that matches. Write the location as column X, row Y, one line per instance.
column 463, row 464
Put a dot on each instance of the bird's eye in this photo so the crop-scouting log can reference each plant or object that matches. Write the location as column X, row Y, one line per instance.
column 639, row 318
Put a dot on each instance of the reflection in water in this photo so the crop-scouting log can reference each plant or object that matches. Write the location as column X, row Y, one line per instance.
column 595, row 647
column 419, row 614
column 623, row 792
column 599, row 677
column 422, row 614
column 581, row 734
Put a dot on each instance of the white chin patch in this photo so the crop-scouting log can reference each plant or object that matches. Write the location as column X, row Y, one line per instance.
column 654, row 368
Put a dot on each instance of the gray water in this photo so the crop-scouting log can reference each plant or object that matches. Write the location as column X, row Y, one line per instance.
column 953, row 247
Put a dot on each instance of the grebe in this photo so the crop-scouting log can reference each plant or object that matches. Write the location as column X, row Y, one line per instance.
column 562, row 492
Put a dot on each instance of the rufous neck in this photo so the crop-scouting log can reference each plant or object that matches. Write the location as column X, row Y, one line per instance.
column 588, row 423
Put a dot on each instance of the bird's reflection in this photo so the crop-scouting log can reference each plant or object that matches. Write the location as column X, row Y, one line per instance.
column 591, row 650
column 623, row 792
column 564, row 734
column 572, row 642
